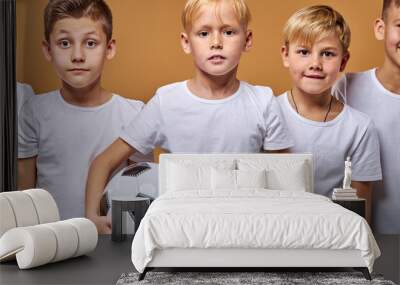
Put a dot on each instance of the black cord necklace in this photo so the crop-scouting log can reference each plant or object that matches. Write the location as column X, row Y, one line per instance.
column 297, row 110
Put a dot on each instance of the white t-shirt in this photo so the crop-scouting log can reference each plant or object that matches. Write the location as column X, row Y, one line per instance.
column 180, row 121
column 364, row 92
column 66, row 139
column 24, row 92
column 351, row 133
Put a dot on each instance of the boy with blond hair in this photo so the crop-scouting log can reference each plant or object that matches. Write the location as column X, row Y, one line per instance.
column 315, row 51
column 211, row 113
column 376, row 92
column 62, row 131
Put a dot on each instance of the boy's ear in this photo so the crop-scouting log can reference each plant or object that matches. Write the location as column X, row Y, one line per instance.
column 185, row 43
column 345, row 60
column 249, row 40
column 46, row 50
column 285, row 55
column 111, row 49
column 379, row 29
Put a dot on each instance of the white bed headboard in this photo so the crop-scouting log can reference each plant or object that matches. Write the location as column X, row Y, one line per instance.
column 165, row 159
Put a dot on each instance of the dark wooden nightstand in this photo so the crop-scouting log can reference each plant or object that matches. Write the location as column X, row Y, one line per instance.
column 355, row 205
column 136, row 207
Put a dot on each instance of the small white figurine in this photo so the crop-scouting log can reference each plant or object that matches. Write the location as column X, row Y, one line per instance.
column 347, row 174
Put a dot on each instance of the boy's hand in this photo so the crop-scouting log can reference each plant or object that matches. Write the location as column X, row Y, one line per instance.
column 99, row 172
column 102, row 223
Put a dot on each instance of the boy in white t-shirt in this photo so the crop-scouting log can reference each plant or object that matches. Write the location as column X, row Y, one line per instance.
column 24, row 93
column 212, row 112
column 62, row 131
column 376, row 92
column 315, row 51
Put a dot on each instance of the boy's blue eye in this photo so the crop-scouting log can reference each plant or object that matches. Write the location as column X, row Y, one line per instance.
column 91, row 43
column 203, row 34
column 64, row 44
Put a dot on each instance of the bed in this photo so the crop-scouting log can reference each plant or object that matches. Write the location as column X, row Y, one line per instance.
column 247, row 210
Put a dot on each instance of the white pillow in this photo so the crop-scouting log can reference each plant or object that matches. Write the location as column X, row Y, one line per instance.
column 251, row 178
column 181, row 177
column 237, row 179
column 190, row 174
column 223, row 179
column 292, row 179
column 281, row 174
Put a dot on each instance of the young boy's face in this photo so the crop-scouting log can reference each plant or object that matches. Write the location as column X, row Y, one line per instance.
column 216, row 39
column 314, row 69
column 77, row 50
column 389, row 31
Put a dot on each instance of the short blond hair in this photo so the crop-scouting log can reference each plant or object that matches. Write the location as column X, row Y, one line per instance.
column 192, row 7
column 313, row 23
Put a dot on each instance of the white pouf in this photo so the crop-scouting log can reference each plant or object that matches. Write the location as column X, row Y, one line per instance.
column 31, row 232
column 40, row 244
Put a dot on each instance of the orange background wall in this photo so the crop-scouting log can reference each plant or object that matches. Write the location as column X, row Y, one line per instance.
column 149, row 54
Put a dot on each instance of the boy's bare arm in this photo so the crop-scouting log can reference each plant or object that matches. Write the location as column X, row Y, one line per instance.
column 99, row 173
column 26, row 173
column 364, row 190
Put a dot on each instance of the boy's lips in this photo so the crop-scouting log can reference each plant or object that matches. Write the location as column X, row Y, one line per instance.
column 216, row 59
column 78, row 69
column 314, row 76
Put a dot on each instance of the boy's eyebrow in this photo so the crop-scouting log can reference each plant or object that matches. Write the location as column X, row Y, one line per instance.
column 208, row 27
column 302, row 46
column 62, row 31
column 91, row 32
column 324, row 48
column 330, row 47
column 226, row 26
column 204, row 27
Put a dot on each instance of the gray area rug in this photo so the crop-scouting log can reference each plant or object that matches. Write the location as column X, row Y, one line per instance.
column 244, row 278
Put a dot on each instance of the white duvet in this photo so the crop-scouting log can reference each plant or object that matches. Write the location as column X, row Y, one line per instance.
column 250, row 218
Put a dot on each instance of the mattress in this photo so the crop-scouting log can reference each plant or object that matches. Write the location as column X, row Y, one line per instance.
column 251, row 219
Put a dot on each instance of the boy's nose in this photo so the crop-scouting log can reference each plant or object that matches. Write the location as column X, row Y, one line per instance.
column 316, row 63
column 216, row 42
column 78, row 55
